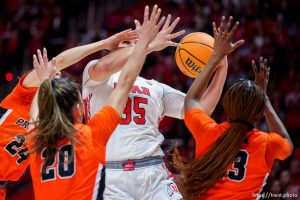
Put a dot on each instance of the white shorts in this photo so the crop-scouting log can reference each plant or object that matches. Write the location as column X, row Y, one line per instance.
column 146, row 183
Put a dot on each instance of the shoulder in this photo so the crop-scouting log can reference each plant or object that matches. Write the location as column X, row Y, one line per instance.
column 84, row 134
column 21, row 96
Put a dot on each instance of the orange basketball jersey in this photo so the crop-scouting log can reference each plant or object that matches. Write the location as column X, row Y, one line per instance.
column 78, row 177
column 14, row 121
column 2, row 193
column 247, row 174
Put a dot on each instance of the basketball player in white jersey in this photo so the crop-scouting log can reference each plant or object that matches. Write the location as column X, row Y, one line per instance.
column 134, row 166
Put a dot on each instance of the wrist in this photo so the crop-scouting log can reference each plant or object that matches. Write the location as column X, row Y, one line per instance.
column 143, row 44
column 141, row 48
column 150, row 48
column 268, row 107
column 215, row 60
column 103, row 44
column 217, row 56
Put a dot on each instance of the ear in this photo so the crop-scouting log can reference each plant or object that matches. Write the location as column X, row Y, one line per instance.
column 77, row 113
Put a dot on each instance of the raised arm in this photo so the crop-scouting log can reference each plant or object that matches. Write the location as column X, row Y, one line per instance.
column 43, row 70
column 222, row 47
column 262, row 78
column 212, row 95
column 133, row 66
column 114, row 61
column 73, row 55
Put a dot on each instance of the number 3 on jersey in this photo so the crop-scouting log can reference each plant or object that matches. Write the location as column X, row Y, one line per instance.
column 239, row 166
column 134, row 106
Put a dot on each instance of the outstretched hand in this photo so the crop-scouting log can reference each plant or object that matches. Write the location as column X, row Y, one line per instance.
column 115, row 41
column 222, row 36
column 151, row 26
column 262, row 74
column 43, row 68
column 165, row 36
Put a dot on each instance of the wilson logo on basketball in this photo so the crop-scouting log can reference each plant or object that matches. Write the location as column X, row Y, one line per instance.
column 192, row 65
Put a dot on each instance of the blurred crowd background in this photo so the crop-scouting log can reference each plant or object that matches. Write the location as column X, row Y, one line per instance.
column 270, row 28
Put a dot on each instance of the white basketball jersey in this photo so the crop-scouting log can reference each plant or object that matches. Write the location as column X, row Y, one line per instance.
column 137, row 136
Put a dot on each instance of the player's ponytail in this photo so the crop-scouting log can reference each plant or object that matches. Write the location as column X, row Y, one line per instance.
column 244, row 103
column 56, row 99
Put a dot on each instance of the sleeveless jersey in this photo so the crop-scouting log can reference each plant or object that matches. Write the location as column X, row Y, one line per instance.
column 137, row 135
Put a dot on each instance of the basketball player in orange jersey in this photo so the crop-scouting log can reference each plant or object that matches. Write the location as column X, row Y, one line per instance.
column 66, row 158
column 14, row 118
column 233, row 159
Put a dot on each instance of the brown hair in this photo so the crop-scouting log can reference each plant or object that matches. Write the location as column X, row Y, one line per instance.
column 244, row 103
column 56, row 100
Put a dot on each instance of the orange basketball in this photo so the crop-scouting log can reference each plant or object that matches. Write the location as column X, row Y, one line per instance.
column 194, row 52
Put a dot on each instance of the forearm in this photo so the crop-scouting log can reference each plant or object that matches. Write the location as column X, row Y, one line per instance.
column 212, row 95
column 34, row 111
column 73, row 55
column 128, row 75
column 110, row 64
column 199, row 85
column 274, row 123
column 134, row 65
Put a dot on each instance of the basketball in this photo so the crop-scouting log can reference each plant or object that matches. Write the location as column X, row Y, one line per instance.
column 194, row 52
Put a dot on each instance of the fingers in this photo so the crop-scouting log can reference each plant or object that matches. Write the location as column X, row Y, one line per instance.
column 156, row 17
column 237, row 45
column 225, row 30
column 137, row 24
column 45, row 56
column 262, row 68
column 228, row 26
column 173, row 44
column 131, row 35
column 35, row 61
column 255, row 70
column 153, row 13
column 268, row 73
column 146, row 14
column 175, row 35
column 40, row 57
column 173, row 25
column 234, row 28
column 215, row 29
column 125, row 31
column 161, row 21
column 266, row 64
column 222, row 25
column 167, row 23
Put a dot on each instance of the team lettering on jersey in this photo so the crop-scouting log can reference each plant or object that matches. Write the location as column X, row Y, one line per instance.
column 23, row 123
column 138, row 90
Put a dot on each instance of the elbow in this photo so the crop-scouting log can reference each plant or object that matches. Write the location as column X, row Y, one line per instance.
column 104, row 66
